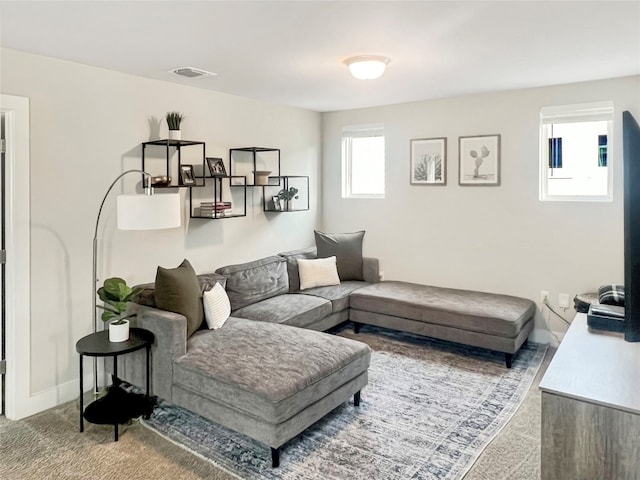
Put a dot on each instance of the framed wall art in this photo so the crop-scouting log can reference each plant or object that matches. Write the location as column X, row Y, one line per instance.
column 479, row 160
column 428, row 161
column 216, row 167
column 187, row 176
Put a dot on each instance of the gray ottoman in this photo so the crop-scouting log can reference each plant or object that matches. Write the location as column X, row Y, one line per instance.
column 488, row 320
column 268, row 381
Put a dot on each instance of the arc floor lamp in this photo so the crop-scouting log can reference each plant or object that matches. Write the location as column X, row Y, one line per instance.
column 135, row 212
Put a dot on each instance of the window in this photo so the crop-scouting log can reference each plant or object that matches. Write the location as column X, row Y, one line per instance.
column 575, row 152
column 363, row 161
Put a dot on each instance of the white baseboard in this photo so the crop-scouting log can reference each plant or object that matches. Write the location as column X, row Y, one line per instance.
column 52, row 397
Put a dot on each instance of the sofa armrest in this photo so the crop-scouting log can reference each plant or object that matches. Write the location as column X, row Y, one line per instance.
column 371, row 269
column 170, row 330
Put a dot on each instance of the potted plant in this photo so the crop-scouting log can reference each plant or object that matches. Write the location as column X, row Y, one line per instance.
column 115, row 293
column 288, row 195
column 173, row 121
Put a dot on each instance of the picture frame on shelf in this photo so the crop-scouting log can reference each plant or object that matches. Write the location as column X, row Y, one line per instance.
column 277, row 205
column 187, row 177
column 428, row 161
column 216, row 167
column 479, row 160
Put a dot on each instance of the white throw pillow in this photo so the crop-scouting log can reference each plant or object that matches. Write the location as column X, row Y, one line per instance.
column 216, row 306
column 319, row 272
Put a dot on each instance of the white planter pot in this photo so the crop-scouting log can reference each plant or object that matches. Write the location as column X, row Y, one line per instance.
column 175, row 135
column 119, row 332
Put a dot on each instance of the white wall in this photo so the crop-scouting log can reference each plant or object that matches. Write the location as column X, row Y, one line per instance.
column 496, row 239
column 87, row 125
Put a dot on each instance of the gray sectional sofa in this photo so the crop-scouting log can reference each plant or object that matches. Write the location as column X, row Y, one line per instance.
column 270, row 372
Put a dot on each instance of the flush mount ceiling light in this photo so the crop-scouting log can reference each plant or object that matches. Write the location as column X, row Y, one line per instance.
column 367, row 67
column 191, row 72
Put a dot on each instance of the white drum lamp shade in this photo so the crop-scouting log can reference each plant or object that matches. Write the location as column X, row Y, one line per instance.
column 149, row 212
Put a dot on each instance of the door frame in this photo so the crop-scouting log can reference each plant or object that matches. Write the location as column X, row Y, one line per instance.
column 18, row 400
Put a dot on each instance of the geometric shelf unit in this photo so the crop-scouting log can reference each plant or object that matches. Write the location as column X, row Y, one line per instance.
column 270, row 192
column 215, row 212
column 246, row 160
column 178, row 145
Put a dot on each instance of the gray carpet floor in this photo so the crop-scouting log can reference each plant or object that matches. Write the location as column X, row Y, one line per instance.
column 49, row 446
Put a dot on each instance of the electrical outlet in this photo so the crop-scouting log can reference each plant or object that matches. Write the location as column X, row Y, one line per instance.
column 381, row 274
column 563, row 300
column 544, row 295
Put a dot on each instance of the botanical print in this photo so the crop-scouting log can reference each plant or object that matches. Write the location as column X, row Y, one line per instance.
column 479, row 160
column 428, row 161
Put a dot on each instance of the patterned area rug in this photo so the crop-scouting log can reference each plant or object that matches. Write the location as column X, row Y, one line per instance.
column 429, row 410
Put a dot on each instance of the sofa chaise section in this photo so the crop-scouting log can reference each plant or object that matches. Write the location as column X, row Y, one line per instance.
column 487, row 320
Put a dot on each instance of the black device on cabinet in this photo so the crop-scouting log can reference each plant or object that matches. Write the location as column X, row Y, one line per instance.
column 631, row 160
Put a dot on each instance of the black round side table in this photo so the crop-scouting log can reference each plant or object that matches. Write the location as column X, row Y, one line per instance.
column 98, row 345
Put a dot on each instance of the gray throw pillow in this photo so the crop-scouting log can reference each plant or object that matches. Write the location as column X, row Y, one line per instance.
column 347, row 248
column 178, row 290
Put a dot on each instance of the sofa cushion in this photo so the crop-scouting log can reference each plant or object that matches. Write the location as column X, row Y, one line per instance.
column 490, row 313
column 292, row 265
column 251, row 282
column 338, row 295
column 206, row 281
column 347, row 247
column 294, row 309
column 217, row 307
column 318, row 272
column 177, row 290
column 269, row 371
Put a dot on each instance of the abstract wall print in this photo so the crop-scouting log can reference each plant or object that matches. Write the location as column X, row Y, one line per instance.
column 429, row 161
column 479, row 160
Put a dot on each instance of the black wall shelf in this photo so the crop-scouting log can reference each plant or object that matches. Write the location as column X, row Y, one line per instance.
column 285, row 182
column 168, row 144
column 195, row 211
column 250, row 156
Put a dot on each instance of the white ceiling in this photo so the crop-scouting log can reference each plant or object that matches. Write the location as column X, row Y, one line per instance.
column 292, row 52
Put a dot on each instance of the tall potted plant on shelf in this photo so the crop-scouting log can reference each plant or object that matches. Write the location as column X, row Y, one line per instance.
column 287, row 195
column 173, row 121
column 115, row 293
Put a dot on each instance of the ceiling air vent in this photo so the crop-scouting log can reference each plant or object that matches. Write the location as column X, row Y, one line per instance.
column 191, row 72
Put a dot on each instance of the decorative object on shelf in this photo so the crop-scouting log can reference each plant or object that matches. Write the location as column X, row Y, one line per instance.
column 214, row 209
column 429, row 161
column 277, row 206
column 115, row 293
column 173, row 121
column 187, row 177
column 216, row 167
column 261, row 177
column 288, row 195
column 135, row 212
column 160, row 181
column 479, row 160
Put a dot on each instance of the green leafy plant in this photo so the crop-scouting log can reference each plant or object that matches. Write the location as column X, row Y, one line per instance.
column 173, row 120
column 116, row 294
column 289, row 194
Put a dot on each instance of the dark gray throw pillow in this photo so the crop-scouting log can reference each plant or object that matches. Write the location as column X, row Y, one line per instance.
column 347, row 248
column 178, row 290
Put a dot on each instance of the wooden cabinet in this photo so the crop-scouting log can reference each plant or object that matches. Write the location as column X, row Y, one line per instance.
column 591, row 407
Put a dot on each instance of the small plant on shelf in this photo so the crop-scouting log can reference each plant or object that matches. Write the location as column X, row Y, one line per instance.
column 173, row 120
column 289, row 194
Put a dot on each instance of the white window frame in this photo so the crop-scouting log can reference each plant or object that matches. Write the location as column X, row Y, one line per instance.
column 348, row 133
column 583, row 112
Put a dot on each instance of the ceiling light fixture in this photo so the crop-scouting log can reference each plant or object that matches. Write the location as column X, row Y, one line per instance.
column 367, row 67
column 191, row 72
